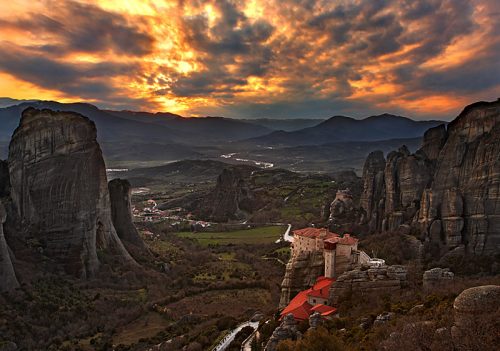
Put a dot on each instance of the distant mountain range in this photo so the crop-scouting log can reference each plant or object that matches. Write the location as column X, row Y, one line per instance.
column 341, row 128
column 139, row 139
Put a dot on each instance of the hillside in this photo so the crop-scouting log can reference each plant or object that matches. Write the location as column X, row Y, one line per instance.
column 341, row 128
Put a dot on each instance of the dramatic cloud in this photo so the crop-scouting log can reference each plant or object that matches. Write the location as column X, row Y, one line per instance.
column 255, row 58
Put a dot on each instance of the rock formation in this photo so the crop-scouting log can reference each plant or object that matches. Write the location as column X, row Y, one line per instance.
column 437, row 276
column 385, row 278
column 449, row 190
column 301, row 273
column 231, row 197
column 476, row 318
column 343, row 212
column 8, row 280
column 4, row 179
column 121, row 211
column 59, row 190
column 286, row 330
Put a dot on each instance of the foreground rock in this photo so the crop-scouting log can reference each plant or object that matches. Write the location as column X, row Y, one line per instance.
column 360, row 281
column 287, row 330
column 477, row 318
column 448, row 190
column 121, row 211
column 437, row 276
column 59, row 191
column 8, row 280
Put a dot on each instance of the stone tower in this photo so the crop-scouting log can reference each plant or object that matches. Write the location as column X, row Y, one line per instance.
column 330, row 258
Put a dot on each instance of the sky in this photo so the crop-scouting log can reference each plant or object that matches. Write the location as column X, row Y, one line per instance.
column 257, row 58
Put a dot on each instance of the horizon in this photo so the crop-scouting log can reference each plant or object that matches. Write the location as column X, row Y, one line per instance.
column 243, row 118
column 256, row 59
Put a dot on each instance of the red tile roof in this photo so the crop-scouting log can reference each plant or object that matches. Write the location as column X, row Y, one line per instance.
column 324, row 309
column 314, row 233
column 347, row 239
column 299, row 307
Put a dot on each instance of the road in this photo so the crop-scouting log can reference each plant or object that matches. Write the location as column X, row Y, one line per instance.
column 224, row 343
column 286, row 236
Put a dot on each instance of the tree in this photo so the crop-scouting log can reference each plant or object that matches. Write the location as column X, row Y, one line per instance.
column 313, row 340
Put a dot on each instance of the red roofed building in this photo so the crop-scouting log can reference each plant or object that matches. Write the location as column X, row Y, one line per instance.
column 314, row 299
column 340, row 252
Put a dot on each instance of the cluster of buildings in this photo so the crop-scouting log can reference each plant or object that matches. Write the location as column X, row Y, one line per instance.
column 340, row 254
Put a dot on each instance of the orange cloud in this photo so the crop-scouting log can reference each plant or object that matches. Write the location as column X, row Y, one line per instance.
column 425, row 57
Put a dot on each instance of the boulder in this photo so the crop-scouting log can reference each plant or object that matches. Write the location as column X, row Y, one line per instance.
column 476, row 318
column 286, row 330
column 436, row 277
column 60, row 193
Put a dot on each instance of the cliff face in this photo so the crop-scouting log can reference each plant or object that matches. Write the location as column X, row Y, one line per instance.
column 8, row 280
column 121, row 211
column 449, row 189
column 59, row 190
column 300, row 274
column 4, row 179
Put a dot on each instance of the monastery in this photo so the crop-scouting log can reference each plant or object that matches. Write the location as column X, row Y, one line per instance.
column 340, row 255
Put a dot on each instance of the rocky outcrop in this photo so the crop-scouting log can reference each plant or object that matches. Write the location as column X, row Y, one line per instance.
column 449, row 190
column 476, row 319
column 343, row 212
column 231, row 197
column 287, row 330
column 4, row 179
column 436, row 277
column 372, row 198
column 301, row 273
column 8, row 280
column 364, row 280
column 59, row 191
column 121, row 211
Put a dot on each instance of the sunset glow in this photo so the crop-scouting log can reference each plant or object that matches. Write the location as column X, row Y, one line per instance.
column 258, row 58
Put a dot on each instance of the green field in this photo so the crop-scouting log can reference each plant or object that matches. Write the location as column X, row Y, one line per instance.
column 261, row 235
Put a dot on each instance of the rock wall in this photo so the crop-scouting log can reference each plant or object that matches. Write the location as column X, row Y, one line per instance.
column 361, row 281
column 8, row 280
column 121, row 211
column 449, row 190
column 4, row 179
column 59, row 190
column 300, row 274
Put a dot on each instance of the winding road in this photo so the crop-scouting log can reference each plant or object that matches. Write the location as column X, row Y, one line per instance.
column 224, row 343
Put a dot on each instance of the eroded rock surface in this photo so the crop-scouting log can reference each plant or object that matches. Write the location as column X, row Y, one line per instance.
column 360, row 281
column 231, row 197
column 121, row 211
column 8, row 280
column 4, row 179
column 59, row 190
column 287, row 330
column 437, row 276
column 301, row 273
column 449, row 190
column 476, row 318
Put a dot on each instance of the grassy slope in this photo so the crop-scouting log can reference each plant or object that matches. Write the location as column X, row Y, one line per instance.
column 250, row 236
